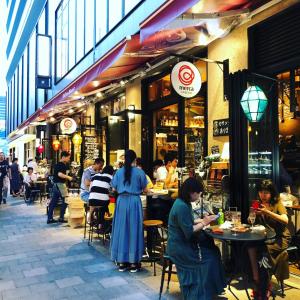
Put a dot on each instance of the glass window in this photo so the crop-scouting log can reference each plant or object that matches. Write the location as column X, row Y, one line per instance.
column 12, row 95
column 105, row 110
column 80, row 30
column 165, row 129
column 25, row 62
column 40, row 97
column 130, row 4
column 159, row 88
column 72, row 33
column 42, row 23
column 101, row 19
column 20, row 98
column 115, row 12
column 58, row 43
column 32, row 105
column 289, row 133
column 194, row 131
column 64, row 39
column 89, row 25
column 15, row 111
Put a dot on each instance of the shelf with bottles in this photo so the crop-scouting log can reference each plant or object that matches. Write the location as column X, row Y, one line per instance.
column 260, row 163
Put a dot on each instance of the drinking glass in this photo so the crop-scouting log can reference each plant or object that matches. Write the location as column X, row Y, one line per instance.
column 235, row 221
column 252, row 217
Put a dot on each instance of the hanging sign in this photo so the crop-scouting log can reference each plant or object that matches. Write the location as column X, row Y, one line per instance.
column 186, row 79
column 68, row 126
column 221, row 127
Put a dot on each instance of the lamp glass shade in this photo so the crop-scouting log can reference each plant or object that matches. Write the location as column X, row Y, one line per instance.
column 254, row 103
column 77, row 139
column 56, row 145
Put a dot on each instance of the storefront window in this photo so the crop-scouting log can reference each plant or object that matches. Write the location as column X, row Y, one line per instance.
column 194, row 131
column 80, row 30
column 115, row 12
column 105, row 110
column 289, row 132
column 89, row 25
column 117, row 139
column 159, row 88
column 165, row 129
column 101, row 20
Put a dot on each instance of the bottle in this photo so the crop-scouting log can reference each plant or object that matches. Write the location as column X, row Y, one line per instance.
column 221, row 217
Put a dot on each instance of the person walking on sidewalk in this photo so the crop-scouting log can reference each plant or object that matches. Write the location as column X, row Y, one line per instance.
column 3, row 173
column 60, row 190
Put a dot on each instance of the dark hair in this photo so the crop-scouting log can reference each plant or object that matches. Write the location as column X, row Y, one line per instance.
column 99, row 161
column 139, row 162
column 108, row 170
column 15, row 159
column 191, row 185
column 64, row 154
column 268, row 185
column 29, row 168
column 130, row 156
column 169, row 157
column 158, row 163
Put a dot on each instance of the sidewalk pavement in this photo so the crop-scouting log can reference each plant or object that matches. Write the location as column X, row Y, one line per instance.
column 40, row 261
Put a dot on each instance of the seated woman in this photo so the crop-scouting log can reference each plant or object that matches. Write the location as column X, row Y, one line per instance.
column 29, row 182
column 272, row 214
column 197, row 259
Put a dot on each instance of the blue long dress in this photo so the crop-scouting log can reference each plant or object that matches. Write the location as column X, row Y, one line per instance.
column 15, row 178
column 127, row 241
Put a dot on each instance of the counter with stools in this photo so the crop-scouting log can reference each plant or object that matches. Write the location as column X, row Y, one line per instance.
column 152, row 228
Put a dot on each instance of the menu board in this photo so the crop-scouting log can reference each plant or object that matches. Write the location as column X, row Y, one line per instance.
column 91, row 147
column 221, row 127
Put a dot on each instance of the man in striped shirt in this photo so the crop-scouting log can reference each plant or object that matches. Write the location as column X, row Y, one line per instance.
column 99, row 189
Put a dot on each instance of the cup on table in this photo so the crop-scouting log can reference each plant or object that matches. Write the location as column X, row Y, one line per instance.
column 255, row 204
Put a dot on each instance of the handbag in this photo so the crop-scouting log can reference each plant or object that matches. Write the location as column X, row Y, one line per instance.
column 62, row 189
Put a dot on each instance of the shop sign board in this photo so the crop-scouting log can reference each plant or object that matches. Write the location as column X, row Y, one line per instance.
column 68, row 126
column 91, row 147
column 221, row 127
column 186, row 79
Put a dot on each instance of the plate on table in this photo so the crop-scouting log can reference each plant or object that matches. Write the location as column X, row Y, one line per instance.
column 217, row 231
column 258, row 228
column 240, row 229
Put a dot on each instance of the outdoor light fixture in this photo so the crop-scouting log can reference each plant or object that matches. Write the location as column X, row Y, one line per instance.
column 131, row 107
column 40, row 149
column 254, row 103
column 77, row 139
column 122, row 82
column 99, row 94
column 70, row 111
column 52, row 119
column 56, row 145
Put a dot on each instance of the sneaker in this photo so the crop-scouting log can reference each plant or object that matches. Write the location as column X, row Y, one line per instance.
column 62, row 220
column 4, row 201
column 134, row 268
column 51, row 221
column 122, row 267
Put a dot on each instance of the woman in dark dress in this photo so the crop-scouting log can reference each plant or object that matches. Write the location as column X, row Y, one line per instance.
column 15, row 177
column 197, row 259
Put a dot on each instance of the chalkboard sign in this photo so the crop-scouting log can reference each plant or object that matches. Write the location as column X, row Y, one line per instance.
column 91, row 147
column 221, row 127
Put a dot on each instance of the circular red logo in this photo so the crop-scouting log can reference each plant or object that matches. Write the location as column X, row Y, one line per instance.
column 186, row 75
column 68, row 123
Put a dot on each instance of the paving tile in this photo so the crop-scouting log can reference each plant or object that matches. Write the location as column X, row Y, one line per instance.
column 135, row 296
column 7, row 285
column 112, row 281
column 26, row 281
column 12, row 257
column 100, row 267
column 41, row 287
column 69, row 281
column 35, row 272
column 16, row 293
column 72, row 258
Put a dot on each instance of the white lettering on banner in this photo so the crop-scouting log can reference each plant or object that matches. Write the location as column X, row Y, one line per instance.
column 186, row 79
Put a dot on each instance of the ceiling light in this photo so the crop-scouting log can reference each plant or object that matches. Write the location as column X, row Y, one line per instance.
column 79, row 104
column 51, row 114
column 122, row 82
column 52, row 119
column 70, row 111
column 99, row 94
column 95, row 83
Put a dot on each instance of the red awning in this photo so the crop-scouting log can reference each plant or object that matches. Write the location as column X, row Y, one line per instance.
column 161, row 17
column 103, row 63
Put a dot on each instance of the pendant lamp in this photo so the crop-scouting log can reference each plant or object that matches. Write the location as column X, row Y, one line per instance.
column 254, row 103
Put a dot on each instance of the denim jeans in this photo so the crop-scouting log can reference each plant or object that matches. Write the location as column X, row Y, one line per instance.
column 53, row 203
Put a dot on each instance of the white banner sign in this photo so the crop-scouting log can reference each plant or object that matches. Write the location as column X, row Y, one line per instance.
column 68, row 126
column 186, row 79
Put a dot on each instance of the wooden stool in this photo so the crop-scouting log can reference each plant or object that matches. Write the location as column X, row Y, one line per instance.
column 167, row 263
column 150, row 226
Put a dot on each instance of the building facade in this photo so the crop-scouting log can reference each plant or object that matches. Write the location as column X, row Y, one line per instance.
column 107, row 66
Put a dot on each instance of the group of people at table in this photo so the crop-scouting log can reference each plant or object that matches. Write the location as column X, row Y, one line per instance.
column 197, row 259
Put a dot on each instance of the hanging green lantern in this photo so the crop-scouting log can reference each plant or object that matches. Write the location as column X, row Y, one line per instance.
column 254, row 103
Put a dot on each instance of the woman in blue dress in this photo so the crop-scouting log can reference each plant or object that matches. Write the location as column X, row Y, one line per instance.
column 197, row 259
column 15, row 177
column 127, row 241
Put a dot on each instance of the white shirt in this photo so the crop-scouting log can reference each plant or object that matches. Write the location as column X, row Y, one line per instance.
column 161, row 173
column 30, row 178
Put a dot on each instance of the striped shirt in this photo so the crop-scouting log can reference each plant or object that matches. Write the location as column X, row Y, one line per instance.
column 100, row 186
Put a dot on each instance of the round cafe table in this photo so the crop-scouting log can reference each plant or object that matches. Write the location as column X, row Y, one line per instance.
column 239, row 240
